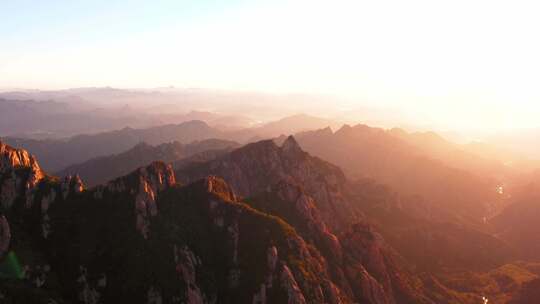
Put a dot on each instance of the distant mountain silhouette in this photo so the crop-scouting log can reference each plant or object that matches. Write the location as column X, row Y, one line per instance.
column 294, row 124
column 58, row 154
column 45, row 119
column 105, row 168
column 421, row 164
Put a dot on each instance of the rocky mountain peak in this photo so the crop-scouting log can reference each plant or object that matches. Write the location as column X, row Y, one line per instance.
column 158, row 176
column 152, row 179
column 145, row 184
column 325, row 132
column 20, row 174
column 345, row 129
column 11, row 158
column 256, row 167
column 71, row 184
column 161, row 175
column 291, row 146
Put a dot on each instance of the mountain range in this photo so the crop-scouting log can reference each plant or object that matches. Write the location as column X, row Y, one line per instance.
column 105, row 168
column 277, row 226
column 59, row 153
column 414, row 163
column 204, row 212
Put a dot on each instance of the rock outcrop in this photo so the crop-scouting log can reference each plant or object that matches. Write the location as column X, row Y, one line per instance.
column 5, row 236
column 152, row 179
column 256, row 167
column 186, row 263
column 19, row 175
column 294, row 294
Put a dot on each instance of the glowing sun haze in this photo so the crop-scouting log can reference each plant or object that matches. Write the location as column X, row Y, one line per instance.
column 461, row 64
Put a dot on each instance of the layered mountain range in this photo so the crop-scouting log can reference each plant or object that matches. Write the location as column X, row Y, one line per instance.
column 57, row 154
column 260, row 223
column 102, row 169
column 143, row 238
column 446, row 174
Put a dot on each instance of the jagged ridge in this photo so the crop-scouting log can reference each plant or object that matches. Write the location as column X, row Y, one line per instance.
column 145, row 238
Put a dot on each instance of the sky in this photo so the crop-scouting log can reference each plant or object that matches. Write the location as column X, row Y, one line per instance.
column 461, row 64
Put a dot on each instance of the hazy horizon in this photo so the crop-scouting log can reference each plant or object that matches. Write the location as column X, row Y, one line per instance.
column 339, row 108
column 460, row 66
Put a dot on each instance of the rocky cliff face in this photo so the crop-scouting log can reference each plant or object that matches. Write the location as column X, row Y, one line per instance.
column 19, row 175
column 143, row 238
column 280, row 227
column 5, row 236
column 311, row 195
column 256, row 167
column 144, row 184
column 361, row 264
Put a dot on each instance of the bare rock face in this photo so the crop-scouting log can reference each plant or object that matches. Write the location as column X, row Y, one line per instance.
column 23, row 181
column 219, row 187
column 309, row 214
column 8, row 191
column 186, row 263
column 144, row 184
column 152, row 180
column 71, row 185
column 367, row 245
column 251, row 169
column 362, row 265
column 272, row 260
column 46, row 202
column 145, row 206
column 19, row 175
column 332, row 293
column 16, row 158
column 294, row 294
column 30, row 186
column 227, row 214
column 291, row 147
column 372, row 266
column 367, row 287
column 5, row 236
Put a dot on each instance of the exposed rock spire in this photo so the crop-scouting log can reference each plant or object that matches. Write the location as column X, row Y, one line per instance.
column 20, row 174
column 5, row 236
